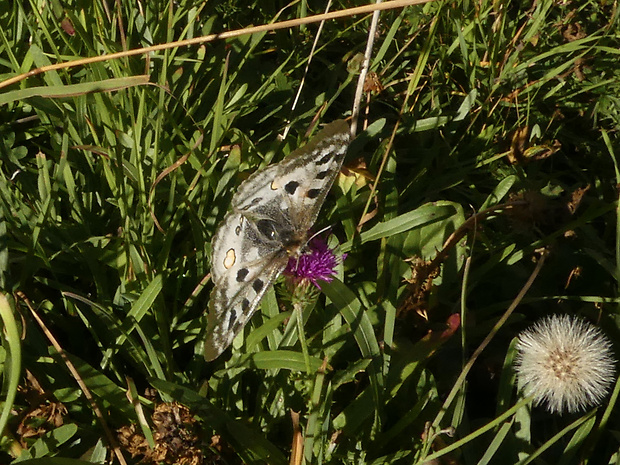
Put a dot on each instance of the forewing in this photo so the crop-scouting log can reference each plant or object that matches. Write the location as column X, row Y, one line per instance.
column 298, row 184
column 243, row 266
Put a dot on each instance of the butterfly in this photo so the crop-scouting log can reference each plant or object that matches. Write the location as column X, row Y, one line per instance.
column 272, row 212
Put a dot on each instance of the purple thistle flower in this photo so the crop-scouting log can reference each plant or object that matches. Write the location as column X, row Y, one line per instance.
column 319, row 263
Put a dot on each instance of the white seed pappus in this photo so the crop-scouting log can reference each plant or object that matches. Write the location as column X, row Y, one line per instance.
column 565, row 362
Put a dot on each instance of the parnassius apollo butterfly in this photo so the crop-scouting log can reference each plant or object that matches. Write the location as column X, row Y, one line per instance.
column 271, row 214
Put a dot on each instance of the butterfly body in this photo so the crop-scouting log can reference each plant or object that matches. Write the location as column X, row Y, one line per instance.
column 272, row 212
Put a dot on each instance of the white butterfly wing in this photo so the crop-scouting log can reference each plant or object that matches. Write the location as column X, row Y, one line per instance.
column 243, row 267
column 272, row 212
column 298, row 184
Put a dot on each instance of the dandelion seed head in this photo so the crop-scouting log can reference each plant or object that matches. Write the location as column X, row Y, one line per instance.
column 565, row 363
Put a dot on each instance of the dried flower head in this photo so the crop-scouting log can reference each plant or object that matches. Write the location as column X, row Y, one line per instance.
column 319, row 263
column 565, row 363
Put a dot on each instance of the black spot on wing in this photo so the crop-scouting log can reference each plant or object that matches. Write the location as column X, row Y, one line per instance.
column 291, row 187
column 231, row 320
column 324, row 159
column 255, row 201
column 258, row 285
column 322, row 174
column 313, row 193
column 241, row 274
column 245, row 304
column 238, row 230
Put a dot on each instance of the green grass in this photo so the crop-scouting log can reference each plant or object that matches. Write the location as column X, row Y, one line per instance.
column 114, row 176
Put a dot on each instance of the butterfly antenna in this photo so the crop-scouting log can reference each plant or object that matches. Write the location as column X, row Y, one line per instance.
column 326, row 228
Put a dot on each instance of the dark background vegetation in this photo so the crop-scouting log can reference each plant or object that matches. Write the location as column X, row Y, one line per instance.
column 494, row 103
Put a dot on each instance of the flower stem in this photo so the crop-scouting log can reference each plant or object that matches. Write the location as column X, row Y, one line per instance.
column 299, row 315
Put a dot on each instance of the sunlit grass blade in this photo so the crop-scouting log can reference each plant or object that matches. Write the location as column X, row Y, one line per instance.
column 72, row 90
column 12, row 364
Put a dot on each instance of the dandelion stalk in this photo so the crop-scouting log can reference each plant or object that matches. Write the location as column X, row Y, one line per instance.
column 464, row 372
column 425, row 459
